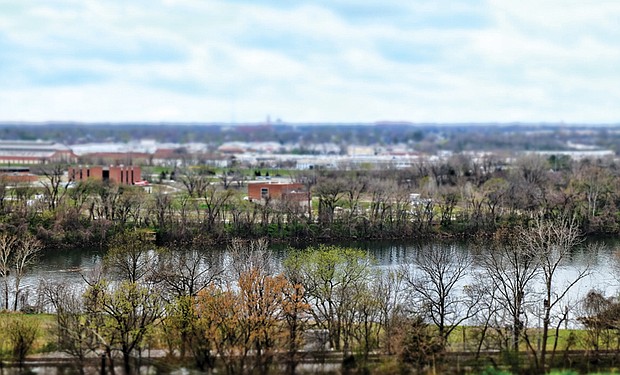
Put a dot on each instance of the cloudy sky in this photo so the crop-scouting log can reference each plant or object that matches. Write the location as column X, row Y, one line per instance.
column 300, row 61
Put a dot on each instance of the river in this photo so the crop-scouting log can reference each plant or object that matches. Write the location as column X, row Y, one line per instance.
column 70, row 266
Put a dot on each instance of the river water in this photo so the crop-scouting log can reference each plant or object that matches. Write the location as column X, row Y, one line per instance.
column 70, row 266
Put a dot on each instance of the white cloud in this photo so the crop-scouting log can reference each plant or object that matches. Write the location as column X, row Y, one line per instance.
column 192, row 60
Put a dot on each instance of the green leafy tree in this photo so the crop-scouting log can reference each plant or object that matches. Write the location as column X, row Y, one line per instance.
column 122, row 316
column 331, row 277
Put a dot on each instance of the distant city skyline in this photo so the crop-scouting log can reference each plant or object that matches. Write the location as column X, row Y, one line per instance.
column 310, row 61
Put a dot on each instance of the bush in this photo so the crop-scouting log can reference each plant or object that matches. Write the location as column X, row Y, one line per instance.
column 420, row 345
column 21, row 336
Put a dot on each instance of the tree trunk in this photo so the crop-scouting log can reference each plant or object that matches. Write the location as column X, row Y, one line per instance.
column 126, row 363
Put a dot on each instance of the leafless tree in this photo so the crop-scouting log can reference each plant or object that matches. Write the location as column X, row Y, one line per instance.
column 185, row 272
column 601, row 316
column 529, row 182
column 229, row 176
column 435, row 286
column 105, row 201
column 308, row 179
column 215, row 200
column 23, row 252
column 54, row 185
column 132, row 255
column 388, row 288
column 74, row 335
column 511, row 270
column 246, row 256
column 8, row 244
column 553, row 241
column 495, row 191
column 355, row 188
column 194, row 180
column 162, row 202
column 330, row 190
column 129, row 204
column 3, row 193
column 381, row 192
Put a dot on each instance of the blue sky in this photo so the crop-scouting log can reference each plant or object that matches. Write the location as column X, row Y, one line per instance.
column 300, row 61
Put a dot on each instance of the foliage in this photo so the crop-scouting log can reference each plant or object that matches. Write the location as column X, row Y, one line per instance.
column 419, row 345
column 121, row 316
column 21, row 336
column 334, row 279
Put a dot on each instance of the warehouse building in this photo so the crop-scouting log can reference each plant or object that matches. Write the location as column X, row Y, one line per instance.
column 35, row 152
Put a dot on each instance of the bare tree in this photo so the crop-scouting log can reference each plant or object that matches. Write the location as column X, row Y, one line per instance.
column 25, row 255
column 381, row 196
column 129, row 204
column 353, row 192
column 8, row 243
column 553, row 242
column 330, row 191
column 132, row 255
column 435, row 286
column 529, row 182
column 511, row 270
column 388, row 289
column 215, row 201
column 185, row 272
column 74, row 335
column 246, row 256
column 54, row 186
column 194, row 180
column 162, row 202
column 105, row 200
column 308, row 179
column 3, row 192
column 229, row 176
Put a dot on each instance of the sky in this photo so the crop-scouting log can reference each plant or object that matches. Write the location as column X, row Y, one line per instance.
column 310, row 61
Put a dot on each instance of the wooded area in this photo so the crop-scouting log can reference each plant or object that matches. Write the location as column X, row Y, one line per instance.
column 239, row 314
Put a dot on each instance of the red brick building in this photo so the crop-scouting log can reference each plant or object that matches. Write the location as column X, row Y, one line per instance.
column 127, row 175
column 18, row 178
column 259, row 191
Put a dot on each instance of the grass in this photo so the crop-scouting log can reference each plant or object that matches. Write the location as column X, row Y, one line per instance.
column 464, row 338
column 45, row 339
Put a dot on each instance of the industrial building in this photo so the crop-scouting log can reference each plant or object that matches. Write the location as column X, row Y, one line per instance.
column 127, row 175
column 35, row 152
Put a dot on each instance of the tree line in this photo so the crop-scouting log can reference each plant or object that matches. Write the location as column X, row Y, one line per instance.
column 241, row 312
column 457, row 197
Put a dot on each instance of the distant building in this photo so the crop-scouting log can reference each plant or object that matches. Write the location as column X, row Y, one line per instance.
column 128, row 175
column 116, row 158
column 17, row 175
column 577, row 154
column 37, row 152
column 261, row 191
column 169, row 156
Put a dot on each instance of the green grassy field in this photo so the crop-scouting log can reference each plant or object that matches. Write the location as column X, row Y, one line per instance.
column 42, row 323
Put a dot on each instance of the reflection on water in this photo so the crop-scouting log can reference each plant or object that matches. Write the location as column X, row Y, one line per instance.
column 71, row 266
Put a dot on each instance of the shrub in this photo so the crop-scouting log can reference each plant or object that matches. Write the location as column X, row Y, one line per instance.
column 21, row 336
